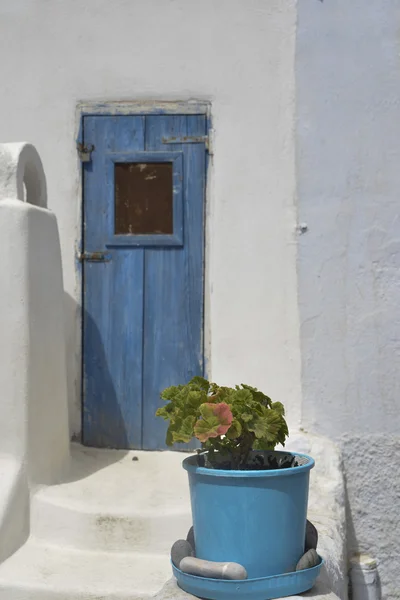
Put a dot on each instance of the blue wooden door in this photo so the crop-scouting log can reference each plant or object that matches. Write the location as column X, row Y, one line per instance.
column 143, row 237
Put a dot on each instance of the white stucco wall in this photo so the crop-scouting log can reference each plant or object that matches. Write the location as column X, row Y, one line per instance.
column 348, row 114
column 239, row 54
column 242, row 56
column 33, row 409
column 34, row 440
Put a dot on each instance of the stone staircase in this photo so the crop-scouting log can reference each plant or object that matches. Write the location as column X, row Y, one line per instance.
column 104, row 534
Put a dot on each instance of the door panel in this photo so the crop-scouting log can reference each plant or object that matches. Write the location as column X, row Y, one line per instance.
column 143, row 310
column 172, row 283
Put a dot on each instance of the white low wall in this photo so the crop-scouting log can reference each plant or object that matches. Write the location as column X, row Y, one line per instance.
column 34, row 440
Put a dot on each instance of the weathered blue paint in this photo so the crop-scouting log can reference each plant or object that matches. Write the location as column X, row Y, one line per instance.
column 143, row 310
column 175, row 346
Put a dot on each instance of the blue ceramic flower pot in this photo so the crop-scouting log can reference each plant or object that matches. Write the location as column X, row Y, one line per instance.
column 254, row 518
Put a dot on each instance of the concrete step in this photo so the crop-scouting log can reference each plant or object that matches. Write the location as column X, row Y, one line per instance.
column 40, row 571
column 113, row 503
column 105, row 533
column 171, row 591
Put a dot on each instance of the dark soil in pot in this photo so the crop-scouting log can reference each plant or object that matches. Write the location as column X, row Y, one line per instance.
column 258, row 460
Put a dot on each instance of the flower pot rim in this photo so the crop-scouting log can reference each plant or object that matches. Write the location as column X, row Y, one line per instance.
column 190, row 466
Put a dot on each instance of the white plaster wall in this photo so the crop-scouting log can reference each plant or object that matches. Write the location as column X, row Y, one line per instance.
column 239, row 54
column 34, row 435
column 14, row 491
column 34, row 440
column 48, row 435
column 33, row 407
column 348, row 113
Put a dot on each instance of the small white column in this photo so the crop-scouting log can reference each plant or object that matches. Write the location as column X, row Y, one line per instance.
column 364, row 578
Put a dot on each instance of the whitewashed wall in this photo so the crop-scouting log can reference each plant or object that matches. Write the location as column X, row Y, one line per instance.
column 34, row 440
column 348, row 156
column 239, row 54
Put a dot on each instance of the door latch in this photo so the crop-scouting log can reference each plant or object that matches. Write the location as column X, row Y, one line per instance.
column 85, row 152
column 94, row 257
column 193, row 139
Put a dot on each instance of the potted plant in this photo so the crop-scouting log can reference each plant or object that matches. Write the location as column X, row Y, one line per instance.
column 249, row 502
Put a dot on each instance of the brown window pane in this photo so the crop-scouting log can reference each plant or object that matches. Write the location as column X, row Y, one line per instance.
column 143, row 198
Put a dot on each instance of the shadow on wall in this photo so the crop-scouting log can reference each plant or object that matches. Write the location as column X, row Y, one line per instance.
column 91, row 461
column 71, row 318
column 354, row 547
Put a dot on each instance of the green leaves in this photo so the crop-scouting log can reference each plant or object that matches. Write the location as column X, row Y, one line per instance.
column 228, row 421
column 184, row 430
column 234, row 430
column 202, row 383
column 266, row 425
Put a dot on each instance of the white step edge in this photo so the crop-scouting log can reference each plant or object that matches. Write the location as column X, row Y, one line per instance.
column 44, row 572
column 171, row 591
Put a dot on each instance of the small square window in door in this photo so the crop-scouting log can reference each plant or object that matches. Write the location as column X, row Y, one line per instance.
column 145, row 193
column 143, row 198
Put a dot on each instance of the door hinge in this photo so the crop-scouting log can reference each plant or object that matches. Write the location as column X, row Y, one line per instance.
column 94, row 257
column 85, row 152
column 208, row 140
